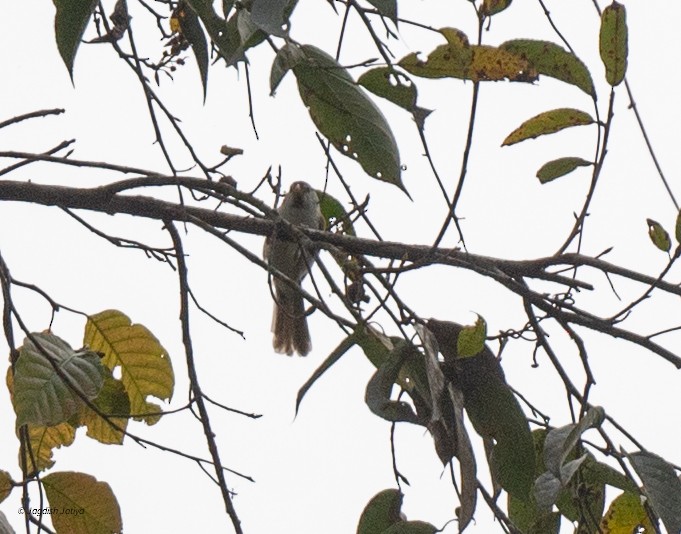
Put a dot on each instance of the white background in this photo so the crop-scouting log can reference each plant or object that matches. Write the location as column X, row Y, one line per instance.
column 315, row 472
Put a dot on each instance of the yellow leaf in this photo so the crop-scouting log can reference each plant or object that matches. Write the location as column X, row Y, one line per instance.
column 42, row 440
column 547, row 123
column 625, row 515
column 145, row 366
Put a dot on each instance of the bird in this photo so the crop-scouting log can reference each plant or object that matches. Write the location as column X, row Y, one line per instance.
column 289, row 321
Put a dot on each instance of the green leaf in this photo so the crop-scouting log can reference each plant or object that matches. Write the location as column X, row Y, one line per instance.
column 193, row 32
column 411, row 527
column 380, row 387
column 287, row 57
column 547, row 123
column 112, row 400
column 346, row 116
column 471, row 339
column 336, row 355
column 381, row 512
column 625, row 515
column 560, row 167
column 613, row 42
column 677, row 227
column 387, row 8
column 337, row 219
column 560, row 441
column 271, row 16
column 492, row 7
column 390, row 84
column 41, row 395
column 145, row 365
column 662, row 487
column 69, row 25
column 96, row 509
column 601, row 473
column 5, row 486
column 658, row 235
column 551, row 60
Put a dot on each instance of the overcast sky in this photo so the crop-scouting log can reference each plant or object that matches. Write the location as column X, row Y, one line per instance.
column 316, row 472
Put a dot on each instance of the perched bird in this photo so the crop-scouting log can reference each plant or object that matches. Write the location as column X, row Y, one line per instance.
column 289, row 323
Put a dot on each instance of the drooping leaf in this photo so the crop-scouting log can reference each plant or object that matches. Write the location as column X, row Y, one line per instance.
column 381, row 512
column 625, row 515
column 551, row 60
column 145, row 365
column 658, row 235
column 69, row 490
column 547, row 123
column 387, row 8
column 613, row 42
column 491, row 407
column 379, row 389
column 69, row 25
column 287, row 57
column 662, row 487
column 561, row 441
column 5, row 485
column 346, row 116
column 41, row 395
column 677, row 227
column 471, row 339
column 193, row 32
column 492, row 7
column 43, row 440
column 336, row 355
column 560, row 167
column 390, row 84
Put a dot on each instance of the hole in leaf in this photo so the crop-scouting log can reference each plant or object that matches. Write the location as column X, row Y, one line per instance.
column 403, row 167
column 348, row 138
column 117, row 372
column 354, row 155
column 346, row 148
column 379, row 174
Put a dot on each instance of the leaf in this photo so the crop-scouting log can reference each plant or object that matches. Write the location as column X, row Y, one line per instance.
column 412, row 527
column 471, row 339
column 546, row 490
column 346, row 116
column 613, row 42
column 604, row 474
column 677, row 227
column 145, row 364
column 70, row 22
column 492, row 7
column 387, row 8
column 661, row 486
column 94, row 507
column 658, row 235
column 551, row 60
column 43, row 440
column 192, row 31
column 270, row 16
column 41, row 396
column 560, row 441
column 287, row 57
column 547, row 123
column 5, row 485
column 112, row 400
column 382, row 511
column 380, row 386
column 337, row 219
column 390, row 84
column 625, row 515
column 560, row 167
column 336, row 355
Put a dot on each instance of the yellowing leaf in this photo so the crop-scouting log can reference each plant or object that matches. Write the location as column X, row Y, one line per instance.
column 5, row 485
column 658, row 235
column 492, row 7
column 547, row 123
column 560, row 167
column 94, row 508
column 551, row 60
column 625, row 515
column 346, row 116
column 494, row 64
column 145, row 365
column 613, row 42
column 43, row 440
column 112, row 400
column 471, row 339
